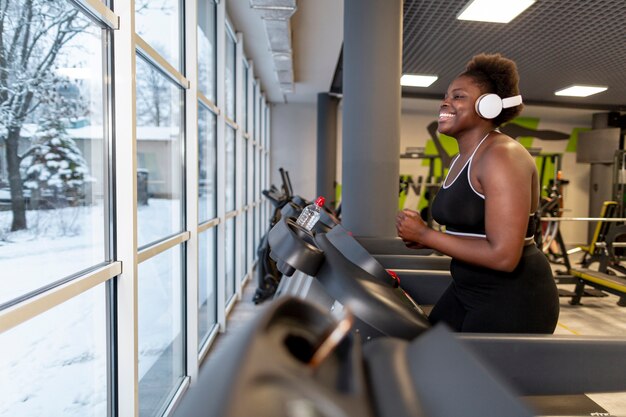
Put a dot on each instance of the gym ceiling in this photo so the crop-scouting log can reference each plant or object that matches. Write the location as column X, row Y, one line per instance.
column 555, row 43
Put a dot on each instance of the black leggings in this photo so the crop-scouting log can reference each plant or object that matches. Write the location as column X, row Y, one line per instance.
column 488, row 301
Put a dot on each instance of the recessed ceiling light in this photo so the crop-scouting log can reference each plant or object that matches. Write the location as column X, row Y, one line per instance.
column 580, row 90
column 497, row 11
column 416, row 80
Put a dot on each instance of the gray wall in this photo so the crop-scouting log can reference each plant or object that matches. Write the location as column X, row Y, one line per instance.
column 294, row 146
column 294, row 135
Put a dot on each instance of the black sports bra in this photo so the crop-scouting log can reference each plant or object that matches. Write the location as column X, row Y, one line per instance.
column 461, row 209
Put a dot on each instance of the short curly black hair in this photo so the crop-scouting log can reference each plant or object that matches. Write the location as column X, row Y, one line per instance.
column 496, row 74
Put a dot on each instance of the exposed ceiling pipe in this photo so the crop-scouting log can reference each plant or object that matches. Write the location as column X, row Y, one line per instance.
column 276, row 15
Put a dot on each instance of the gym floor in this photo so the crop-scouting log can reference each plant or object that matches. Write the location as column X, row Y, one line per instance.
column 596, row 316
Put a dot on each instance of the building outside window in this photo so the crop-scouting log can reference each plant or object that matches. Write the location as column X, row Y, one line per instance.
column 59, row 162
column 54, row 217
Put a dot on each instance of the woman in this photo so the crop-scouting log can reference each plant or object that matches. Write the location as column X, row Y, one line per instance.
column 501, row 281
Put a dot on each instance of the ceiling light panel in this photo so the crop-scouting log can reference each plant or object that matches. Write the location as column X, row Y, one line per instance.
column 417, row 80
column 580, row 90
column 496, row 11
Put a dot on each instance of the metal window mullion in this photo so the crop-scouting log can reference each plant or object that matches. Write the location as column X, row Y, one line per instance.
column 263, row 161
column 178, row 396
column 230, row 304
column 269, row 156
column 208, row 103
column 257, row 111
column 250, row 141
column 249, row 190
column 268, row 160
column 152, row 56
column 239, row 198
column 99, row 11
column 221, row 157
column 207, row 225
column 207, row 345
column 32, row 307
column 231, row 122
column 229, row 215
column 262, row 121
column 108, row 221
column 268, row 131
column 249, row 103
column 191, row 182
column 162, row 246
column 126, row 210
column 229, row 28
column 256, row 182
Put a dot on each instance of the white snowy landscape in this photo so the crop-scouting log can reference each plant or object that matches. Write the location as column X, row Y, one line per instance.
column 56, row 364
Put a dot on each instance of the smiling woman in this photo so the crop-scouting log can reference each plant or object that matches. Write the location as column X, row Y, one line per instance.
column 502, row 282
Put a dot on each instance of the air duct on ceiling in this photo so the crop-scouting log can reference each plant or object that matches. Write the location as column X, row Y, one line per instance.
column 276, row 15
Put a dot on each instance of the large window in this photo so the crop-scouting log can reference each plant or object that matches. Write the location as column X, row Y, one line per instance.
column 158, row 22
column 161, row 228
column 230, row 169
column 160, row 337
column 244, row 195
column 56, row 364
column 207, row 164
column 159, row 161
column 54, row 216
column 120, row 224
column 209, row 57
column 52, row 168
column 244, row 96
column 206, row 49
column 229, row 77
column 229, row 254
column 207, row 280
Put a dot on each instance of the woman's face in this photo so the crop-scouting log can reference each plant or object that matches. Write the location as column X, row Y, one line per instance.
column 457, row 112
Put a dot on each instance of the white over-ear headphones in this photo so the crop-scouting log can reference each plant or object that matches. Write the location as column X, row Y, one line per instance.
column 489, row 106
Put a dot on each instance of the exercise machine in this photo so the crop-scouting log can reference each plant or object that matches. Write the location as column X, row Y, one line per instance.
column 268, row 276
column 295, row 359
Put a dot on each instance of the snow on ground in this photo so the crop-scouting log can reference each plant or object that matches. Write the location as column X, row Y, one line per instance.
column 56, row 363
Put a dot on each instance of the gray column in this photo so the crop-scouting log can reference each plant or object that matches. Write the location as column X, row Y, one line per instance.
column 326, row 146
column 600, row 176
column 372, row 66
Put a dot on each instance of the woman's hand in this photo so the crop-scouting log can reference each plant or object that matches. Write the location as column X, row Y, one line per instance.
column 411, row 228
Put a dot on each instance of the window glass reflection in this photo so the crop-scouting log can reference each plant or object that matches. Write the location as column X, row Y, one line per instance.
column 254, row 115
column 158, row 23
column 207, row 164
column 160, row 331
column 244, row 218
column 207, row 282
column 229, row 76
column 206, row 48
column 229, row 254
column 244, row 97
column 159, row 165
column 230, row 169
column 52, row 166
column 56, row 363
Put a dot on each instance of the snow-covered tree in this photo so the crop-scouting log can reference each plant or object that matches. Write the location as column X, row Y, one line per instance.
column 32, row 34
column 54, row 165
column 153, row 100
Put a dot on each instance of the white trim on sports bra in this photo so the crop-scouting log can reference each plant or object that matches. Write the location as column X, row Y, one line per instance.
column 469, row 160
column 481, row 235
column 484, row 236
